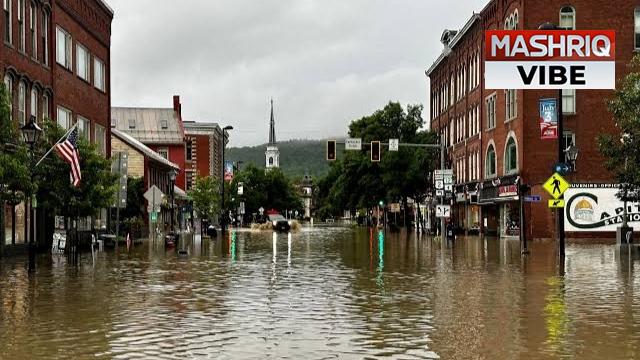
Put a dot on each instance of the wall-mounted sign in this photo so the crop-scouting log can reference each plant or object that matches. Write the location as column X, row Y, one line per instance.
column 550, row 59
column 508, row 190
column 597, row 209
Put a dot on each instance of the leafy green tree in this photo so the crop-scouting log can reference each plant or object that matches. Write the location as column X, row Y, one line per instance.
column 206, row 197
column 270, row 190
column 622, row 149
column 55, row 192
column 15, row 179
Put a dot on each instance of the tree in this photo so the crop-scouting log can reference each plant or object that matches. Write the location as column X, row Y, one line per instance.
column 269, row 190
column 206, row 197
column 98, row 186
column 622, row 149
column 15, row 179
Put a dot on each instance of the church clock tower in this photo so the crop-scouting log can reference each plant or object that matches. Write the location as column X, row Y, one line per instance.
column 272, row 155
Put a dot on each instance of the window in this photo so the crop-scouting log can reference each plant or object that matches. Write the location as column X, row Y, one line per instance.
column 636, row 15
column 22, row 103
column 8, row 83
column 98, row 74
column 84, row 127
column 491, row 112
column 8, row 36
column 568, row 18
column 33, row 27
column 114, row 122
column 189, row 150
column 46, row 114
column 189, row 176
column 34, row 103
column 568, row 101
column 568, row 139
column 64, row 117
column 490, row 163
column 63, row 48
column 511, row 105
column 164, row 124
column 83, row 63
column 100, row 139
column 132, row 123
column 21, row 24
column 45, row 37
column 164, row 152
column 511, row 156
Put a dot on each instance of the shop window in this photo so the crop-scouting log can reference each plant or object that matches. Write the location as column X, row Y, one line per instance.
column 511, row 219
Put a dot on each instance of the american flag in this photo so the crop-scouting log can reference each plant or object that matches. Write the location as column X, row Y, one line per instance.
column 68, row 151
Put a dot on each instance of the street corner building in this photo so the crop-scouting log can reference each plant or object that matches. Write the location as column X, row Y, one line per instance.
column 55, row 62
column 492, row 137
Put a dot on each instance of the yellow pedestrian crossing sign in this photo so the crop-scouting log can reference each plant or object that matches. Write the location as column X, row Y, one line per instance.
column 556, row 185
column 556, row 204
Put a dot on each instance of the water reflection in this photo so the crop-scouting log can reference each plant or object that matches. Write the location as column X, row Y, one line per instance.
column 343, row 293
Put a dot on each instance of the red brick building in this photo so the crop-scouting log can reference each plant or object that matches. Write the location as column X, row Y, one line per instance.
column 55, row 61
column 161, row 129
column 493, row 136
column 203, row 151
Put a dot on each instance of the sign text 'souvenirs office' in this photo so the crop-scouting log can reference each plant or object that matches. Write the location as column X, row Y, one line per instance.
column 550, row 59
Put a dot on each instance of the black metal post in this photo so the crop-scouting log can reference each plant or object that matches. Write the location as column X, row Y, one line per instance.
column 173, row 205
column 222, row 212
column 523, row 232
column 560, row 212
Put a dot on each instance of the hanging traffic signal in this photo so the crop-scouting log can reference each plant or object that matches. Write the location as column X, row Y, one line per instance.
column 375, row 151
column 331, row 150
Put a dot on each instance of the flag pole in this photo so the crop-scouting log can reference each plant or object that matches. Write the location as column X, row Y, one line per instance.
column 58, row 142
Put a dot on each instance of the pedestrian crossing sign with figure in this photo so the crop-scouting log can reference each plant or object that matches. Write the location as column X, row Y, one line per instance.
column 556, row 185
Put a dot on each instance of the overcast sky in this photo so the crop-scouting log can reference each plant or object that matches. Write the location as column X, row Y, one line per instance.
column 324, row 62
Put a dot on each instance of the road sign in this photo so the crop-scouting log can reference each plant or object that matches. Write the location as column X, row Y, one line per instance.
column 533, row 198
column 443, row 211
column 443, row 172
column 439, row 184
column 154, row 216
column 556, row 204
column 394, row 207
column 439, row 192
column 261, row 210
column 119, row 167
column 240, row 188
column 353, row 144
column 394, row 144
column 241, row 210
column 448, row 187
column 448, row 179
column 556, row 185
column 562, row 168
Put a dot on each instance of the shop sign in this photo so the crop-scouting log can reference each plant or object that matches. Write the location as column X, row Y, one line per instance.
column 597, row 209
column 508, row 190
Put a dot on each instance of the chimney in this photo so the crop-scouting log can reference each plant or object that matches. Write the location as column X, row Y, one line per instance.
column 177, row 107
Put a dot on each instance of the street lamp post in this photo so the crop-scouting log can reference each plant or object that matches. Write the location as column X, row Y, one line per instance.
column 224, row 144
column 30, row 133
column 172, row 177
column 561, row 159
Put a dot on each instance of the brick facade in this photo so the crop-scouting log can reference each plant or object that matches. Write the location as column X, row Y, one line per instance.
column 491, row 213
column 205, row 142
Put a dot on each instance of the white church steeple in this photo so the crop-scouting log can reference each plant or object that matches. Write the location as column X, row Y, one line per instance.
column 272, row 155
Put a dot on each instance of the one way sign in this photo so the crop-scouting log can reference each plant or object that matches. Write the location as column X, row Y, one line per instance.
column 443, row 211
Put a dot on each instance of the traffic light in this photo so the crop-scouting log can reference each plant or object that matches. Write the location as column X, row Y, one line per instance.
column 375, row 151
column 331, row 150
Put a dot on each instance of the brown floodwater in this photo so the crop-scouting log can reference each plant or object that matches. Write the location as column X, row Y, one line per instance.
column 324, row 293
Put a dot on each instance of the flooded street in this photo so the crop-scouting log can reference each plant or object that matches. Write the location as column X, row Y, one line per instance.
column 324, row 293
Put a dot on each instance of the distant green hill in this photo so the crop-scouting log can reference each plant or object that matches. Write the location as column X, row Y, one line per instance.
column 297, row 157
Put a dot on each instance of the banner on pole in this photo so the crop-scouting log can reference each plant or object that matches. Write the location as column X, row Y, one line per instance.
column 548, row 119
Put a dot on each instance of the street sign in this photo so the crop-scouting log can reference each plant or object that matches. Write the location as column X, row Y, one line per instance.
column 394, row 144
column 562, row 168
column 154, row 216
column 533, row 198
column 443, row 211
column 241, row 210
column 153, row 194
column 556, row 185
column 394, row 207
column 261, row 211
column 439, row 184
column 556, row 204
column 119, row 167
column 240, row 188
column 353, row 144
column 448, row 187
column 448, row 179
column 439, row 192
column 443, row 172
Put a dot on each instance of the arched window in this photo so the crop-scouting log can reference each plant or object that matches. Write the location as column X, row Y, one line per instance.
column 8, row 83
column 34, row 103
column 511, row 156
column 22, row 103
column 270, row 161
column 490, row 163
column 568, row 18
